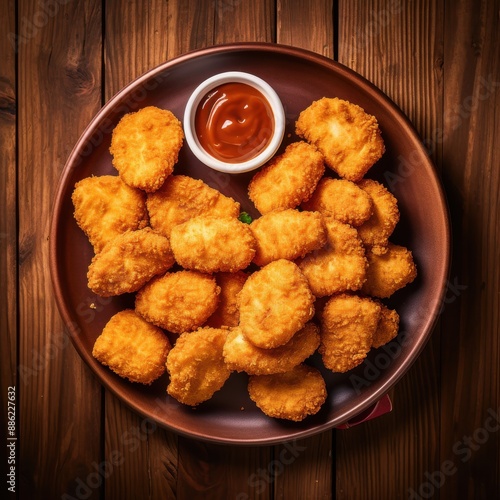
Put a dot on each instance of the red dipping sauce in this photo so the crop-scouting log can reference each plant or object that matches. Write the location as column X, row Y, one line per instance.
column 234, row 122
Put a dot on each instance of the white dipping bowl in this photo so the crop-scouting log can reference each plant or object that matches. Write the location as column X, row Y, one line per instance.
column 234, row 77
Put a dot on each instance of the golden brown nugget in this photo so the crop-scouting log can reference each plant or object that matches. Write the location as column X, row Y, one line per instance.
column 228, row 311
column 349, row 138
column 341, row 199
column 288, row 179
column 389, row 272
column 348, row 324
column 196, row 366
column 340, row 265
column 376, row 230
column 292, row 395
column 213, row 244
column 242, row 356
column 275, row 302
column 132, row 347
column 287, row 234
column 128, row 262
column 180, row 301
column 106, row 207
column 387, row 328
column 145, row 147
column 181, row 198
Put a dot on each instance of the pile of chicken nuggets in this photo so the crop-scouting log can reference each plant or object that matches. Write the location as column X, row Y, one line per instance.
column 215, row 295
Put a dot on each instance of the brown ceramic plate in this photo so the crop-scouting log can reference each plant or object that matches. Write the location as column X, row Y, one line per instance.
column 299, row 77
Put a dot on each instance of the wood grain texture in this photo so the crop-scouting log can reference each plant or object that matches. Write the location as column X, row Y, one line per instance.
column 303, row 469
column 308, row 25
column 137, row 40
column 470, row 381
column 217, row 471
column 206, row 469
column 191, row 26
column 398, row 46
column 244, row 21
column 58, row 94
column 439, row 60
column 138, row 473
column 8, row 209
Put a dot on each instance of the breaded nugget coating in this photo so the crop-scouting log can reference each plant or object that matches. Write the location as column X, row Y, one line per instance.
column 340, row 265
column 349, row 138
column 179, row 302
column 128, row 262
column 288, row 179
column 132, row 347
column 145, row 146
column 389, row 272
column 341, row 199
column 242, row 356
column 275, row 303
column 181, row 198
column 196, row 366
column 348, row 324
column 287, row 234
column 213, row 244
column 387, row 328
column 292, row 395
column 228, row 310
column 106, row 207
column 376, row 230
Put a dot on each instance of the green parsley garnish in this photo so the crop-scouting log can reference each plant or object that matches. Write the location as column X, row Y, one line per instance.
column 245, row 218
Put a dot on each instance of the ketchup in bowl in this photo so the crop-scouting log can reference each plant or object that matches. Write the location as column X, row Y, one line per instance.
column 234, row 122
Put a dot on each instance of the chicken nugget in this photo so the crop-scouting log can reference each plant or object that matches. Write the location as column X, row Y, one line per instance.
column 213, row 244
column 275, row 302
column 180, row 301
column 132, row 347
column 145, row 146
column 196, row 366
column 241, row 355
column 106, row 207
column 181, row 198
column 348, row 325
column 228, row 311
column 287, row 234
column 376, row 230
column 288, row 179
column 292, row 395
column 341, row 199
column 128, row 262
column 389, row 272
column 340, row 265
column 349, row 138
column 387, row 328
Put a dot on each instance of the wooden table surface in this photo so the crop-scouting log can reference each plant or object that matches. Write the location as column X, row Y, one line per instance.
column 439, row 60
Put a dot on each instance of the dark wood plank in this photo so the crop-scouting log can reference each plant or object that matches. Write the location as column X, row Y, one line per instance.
column 303, row 469
column 59, row 400
column 218, row 471
column 470, row 382
column 204, row 468
column 243, row 21
column 8, row 238
column 137, row 38
column 191, row 26
column 308, row 25
column 398, row 46
column 136, row 41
